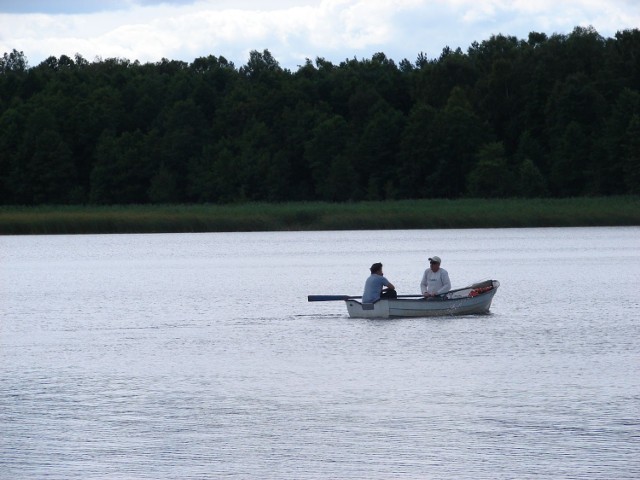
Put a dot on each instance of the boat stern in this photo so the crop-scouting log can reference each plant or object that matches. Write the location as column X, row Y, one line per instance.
column 379, row 309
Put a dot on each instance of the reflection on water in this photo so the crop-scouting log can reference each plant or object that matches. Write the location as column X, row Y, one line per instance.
column 197, row 356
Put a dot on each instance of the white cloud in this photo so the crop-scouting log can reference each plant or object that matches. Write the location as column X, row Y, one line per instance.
column 148, row 30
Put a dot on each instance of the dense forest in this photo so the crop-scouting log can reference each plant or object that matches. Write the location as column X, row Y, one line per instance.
column 555, row 116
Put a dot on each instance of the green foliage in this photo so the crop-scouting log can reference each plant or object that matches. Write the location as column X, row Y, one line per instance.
column 546, row 116
column 531, row 182
column 457, row 136
column 610, row 169
column 631, row 155
column 123, row 168
column 13, row 62
column 491, row 177
column 570, row 159
column 333, row 174
column 416, row 155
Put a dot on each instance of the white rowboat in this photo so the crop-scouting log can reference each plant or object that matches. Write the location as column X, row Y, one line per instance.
column 472, row 300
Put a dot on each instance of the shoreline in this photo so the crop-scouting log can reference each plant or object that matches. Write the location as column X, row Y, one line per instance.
column 310, row 216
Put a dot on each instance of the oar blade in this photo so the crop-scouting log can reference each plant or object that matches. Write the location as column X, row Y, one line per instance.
column 327, row 298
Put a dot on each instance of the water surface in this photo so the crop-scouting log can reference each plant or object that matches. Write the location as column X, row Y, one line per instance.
column 197, row 356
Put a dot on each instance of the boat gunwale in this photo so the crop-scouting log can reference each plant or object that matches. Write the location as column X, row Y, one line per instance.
column 491, row 292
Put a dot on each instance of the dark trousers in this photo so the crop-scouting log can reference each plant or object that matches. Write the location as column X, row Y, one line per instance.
column 388, row 293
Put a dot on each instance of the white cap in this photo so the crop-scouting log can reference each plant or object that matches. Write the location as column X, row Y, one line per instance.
column 435, row 259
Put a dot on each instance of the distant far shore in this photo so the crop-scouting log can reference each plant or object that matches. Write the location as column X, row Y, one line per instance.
column 388, row 215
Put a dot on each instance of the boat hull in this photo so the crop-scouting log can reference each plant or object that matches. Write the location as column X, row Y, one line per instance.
column 462, row 302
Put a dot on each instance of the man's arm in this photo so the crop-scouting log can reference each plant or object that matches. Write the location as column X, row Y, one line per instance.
column 388, row 284
column 446, row 283
column 423, row 283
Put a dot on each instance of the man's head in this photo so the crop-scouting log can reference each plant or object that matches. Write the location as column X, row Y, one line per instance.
column 434, row 263
column 376, row 268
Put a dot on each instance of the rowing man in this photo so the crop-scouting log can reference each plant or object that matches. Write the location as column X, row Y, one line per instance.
column 435, row 280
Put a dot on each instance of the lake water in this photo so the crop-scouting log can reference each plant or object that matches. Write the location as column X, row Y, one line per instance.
column 197, row 356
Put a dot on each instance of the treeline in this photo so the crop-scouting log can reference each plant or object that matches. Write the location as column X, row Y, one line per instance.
column 555, row 116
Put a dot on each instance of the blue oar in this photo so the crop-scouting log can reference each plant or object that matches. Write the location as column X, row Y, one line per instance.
column 330, row 298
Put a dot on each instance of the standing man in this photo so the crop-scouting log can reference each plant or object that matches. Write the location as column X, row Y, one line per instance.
column 373, row 287
column 435, row 280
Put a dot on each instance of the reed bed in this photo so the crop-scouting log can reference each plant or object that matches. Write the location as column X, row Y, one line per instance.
column 403, row 214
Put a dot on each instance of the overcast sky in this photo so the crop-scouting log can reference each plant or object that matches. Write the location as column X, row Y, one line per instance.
column 292, row 30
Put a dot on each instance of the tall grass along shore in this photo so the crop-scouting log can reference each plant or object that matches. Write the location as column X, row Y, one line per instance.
column 402, row 214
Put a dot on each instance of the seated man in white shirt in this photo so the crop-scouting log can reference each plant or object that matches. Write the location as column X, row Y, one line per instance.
column 435, row 280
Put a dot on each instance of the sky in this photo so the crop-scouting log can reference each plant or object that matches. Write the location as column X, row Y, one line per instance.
column 292, row 30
